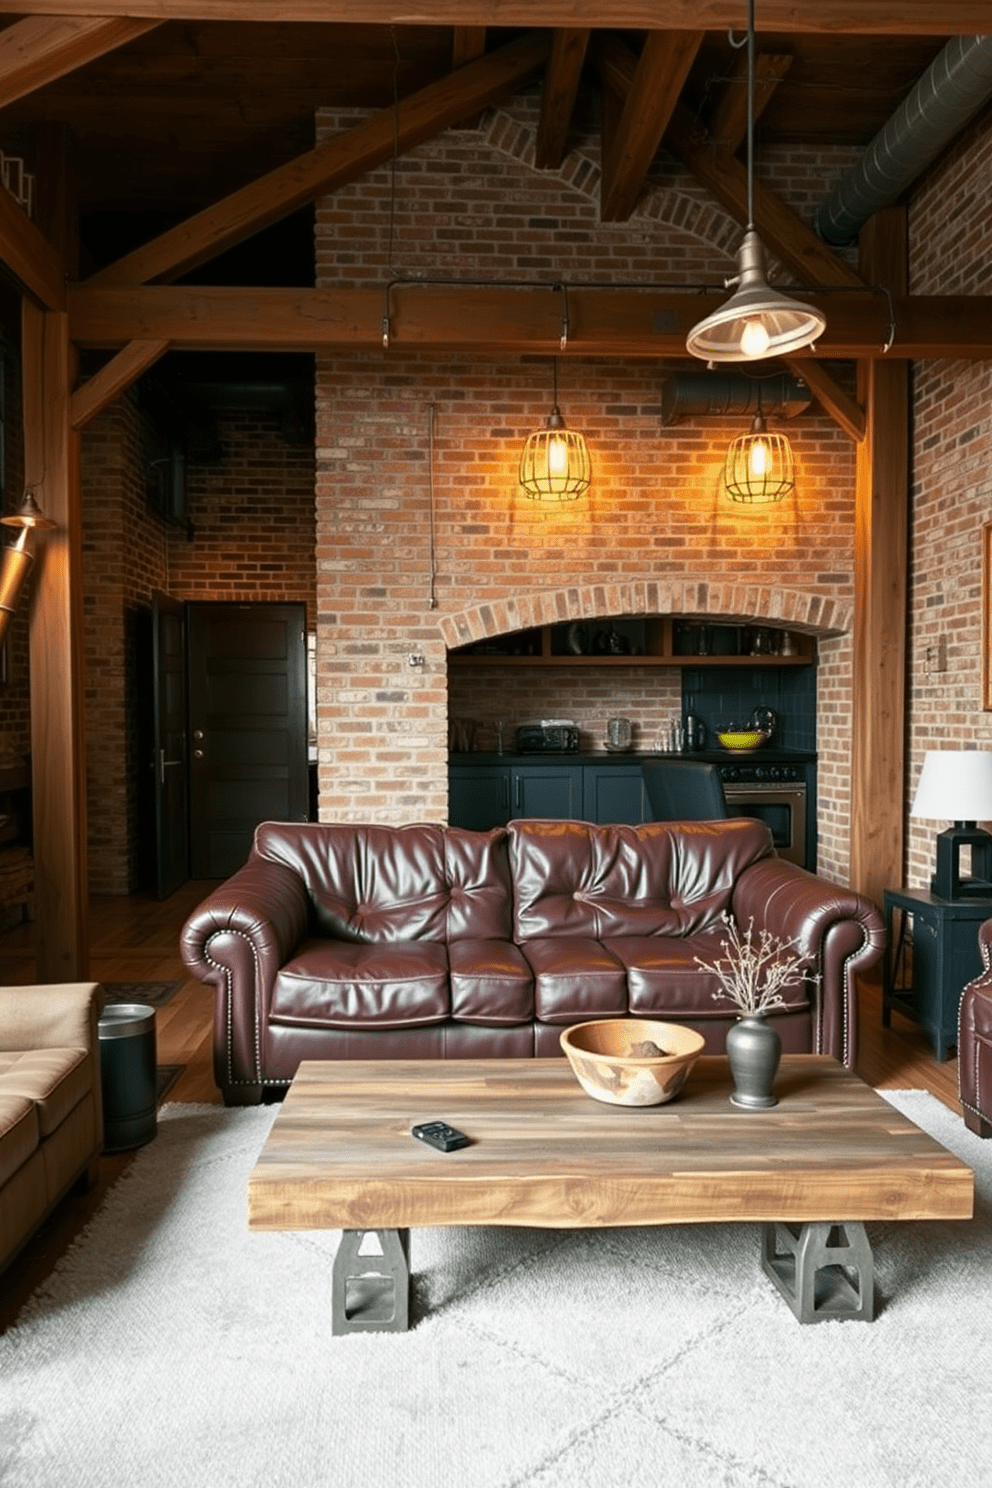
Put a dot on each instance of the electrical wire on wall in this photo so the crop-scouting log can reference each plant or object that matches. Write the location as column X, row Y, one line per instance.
column 432, row 587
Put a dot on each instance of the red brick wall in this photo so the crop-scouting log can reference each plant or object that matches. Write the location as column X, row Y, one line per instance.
column 252, row 521
column 951, row 239
column 652, row 535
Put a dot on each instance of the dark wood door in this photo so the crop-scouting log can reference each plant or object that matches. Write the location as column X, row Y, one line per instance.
column 169, row 744
column 248, row 727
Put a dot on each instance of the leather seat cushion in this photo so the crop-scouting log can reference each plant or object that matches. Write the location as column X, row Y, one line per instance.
column 663, row 978
column 575, row 979
column 340, row 984
column 491, row 983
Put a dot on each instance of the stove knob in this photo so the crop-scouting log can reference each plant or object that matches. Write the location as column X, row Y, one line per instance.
column 775, row 773
column 760, row 772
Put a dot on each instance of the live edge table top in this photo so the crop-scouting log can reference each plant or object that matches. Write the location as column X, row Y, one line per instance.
column 543, row 1153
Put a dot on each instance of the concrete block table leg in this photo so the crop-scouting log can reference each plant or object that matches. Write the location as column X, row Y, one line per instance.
column 824, row 1271
column 370, row 1283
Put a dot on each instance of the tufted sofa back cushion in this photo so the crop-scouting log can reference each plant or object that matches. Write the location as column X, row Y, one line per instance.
column 664, row 878
column 382, row 883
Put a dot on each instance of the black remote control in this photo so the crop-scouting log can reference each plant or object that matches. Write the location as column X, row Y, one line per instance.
column 440, row 1135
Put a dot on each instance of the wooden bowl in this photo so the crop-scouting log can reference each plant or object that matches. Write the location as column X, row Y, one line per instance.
column 631, row 1061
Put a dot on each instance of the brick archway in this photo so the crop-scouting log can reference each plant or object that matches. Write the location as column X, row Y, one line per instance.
column 695, row 595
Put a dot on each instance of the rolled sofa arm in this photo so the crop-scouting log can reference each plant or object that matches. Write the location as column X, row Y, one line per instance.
column 838, row 931
column 236, row 941
column 975, row 1041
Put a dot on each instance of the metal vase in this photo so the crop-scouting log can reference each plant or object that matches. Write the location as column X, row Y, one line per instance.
column 754, row 1050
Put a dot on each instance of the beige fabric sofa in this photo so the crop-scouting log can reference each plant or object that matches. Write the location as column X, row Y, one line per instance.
column 51, row 1120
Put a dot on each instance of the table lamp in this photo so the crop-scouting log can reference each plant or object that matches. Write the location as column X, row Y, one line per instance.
column 956, row 784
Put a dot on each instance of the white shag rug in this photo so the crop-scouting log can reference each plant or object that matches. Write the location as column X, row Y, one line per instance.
column 173, row 1348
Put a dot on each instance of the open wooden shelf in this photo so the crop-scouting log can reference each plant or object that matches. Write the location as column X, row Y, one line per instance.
column 654, row 641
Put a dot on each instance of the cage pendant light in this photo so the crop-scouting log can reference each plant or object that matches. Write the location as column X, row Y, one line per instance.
column 554, row 465
column 759, row 467
column 756, row 321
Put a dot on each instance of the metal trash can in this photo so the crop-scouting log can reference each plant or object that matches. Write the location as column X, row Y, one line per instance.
column 127, row 1075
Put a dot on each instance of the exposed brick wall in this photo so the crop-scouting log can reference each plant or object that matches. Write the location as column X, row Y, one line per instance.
column 252, row 517
column 471, row 204
column 951, row 240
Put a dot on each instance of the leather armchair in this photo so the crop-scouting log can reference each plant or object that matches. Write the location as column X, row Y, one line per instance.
column 975, row 1043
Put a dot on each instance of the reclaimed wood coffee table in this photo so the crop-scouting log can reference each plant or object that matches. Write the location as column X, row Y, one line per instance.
column 811, row 1170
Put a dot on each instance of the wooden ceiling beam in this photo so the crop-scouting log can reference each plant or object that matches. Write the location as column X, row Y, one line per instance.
column 827, row 17
column 105, row 386
column 334, row 163
column 40, row 49
column 467, row 43
column 845, row 411
column 29, row 257
column 784, row 235
column 728, row 125
column 659, row 75
column 510, row 319
column 558, row 94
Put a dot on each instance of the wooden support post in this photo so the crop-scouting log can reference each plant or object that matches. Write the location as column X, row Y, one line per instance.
column 58, row 759
column 880, row 561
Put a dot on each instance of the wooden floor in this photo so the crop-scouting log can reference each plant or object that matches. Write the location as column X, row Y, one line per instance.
column 137, row 939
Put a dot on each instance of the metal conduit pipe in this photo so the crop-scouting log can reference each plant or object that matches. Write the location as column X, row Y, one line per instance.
column 725, row 394
column 950, row 93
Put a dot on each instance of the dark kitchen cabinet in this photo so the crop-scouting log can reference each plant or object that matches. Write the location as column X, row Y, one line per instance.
column 481, row 796
column 614, row 793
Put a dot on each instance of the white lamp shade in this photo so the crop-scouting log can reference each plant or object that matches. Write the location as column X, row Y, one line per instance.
column 955, row 785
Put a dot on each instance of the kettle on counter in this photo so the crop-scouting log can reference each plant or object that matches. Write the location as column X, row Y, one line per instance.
column 695, row 732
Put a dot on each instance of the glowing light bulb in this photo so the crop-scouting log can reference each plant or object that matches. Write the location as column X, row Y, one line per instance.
column 557, row 457
column 754, row 338
column 758, row 457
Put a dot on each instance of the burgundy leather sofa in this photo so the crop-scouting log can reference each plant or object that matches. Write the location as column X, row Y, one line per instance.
column 412, row 942
column 975, row 1042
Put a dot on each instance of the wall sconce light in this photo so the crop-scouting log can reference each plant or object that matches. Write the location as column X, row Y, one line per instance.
column 555, row 465
column 19, row 556
column 956, row 785
column 756, row 321
column 759, row 467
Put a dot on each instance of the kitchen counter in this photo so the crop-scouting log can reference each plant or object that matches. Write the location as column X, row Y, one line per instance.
column 768, row 754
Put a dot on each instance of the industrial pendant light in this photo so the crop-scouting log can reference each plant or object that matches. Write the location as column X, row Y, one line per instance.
column 756, row 321
column 759, row 466
column 554, row 465
column 16, row 558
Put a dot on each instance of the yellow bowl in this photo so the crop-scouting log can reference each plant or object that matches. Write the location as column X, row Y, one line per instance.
column 742, row 739
column 631, row 1061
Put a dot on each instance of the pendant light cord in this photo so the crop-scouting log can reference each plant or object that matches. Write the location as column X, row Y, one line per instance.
column 750, row 114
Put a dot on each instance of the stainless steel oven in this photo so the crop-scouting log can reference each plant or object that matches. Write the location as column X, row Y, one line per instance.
column 780, row 803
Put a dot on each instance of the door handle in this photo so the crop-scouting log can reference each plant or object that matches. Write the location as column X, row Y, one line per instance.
column 197, row 753
column 516, row 794
column 164, row 764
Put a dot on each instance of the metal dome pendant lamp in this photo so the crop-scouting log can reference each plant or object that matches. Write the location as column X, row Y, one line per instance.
column 756, row 321
column 555, row 465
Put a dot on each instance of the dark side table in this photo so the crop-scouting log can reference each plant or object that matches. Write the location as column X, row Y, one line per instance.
column 932, row 953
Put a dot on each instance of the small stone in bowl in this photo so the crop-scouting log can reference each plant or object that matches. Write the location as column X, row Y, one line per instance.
column 648, row 1049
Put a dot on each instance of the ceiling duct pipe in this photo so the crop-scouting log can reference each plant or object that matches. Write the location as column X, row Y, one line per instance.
column 951, row 92
column 721, row 394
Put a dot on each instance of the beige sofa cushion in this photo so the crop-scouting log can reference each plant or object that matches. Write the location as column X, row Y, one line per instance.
column 19, row 1134
column 56, row 1079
